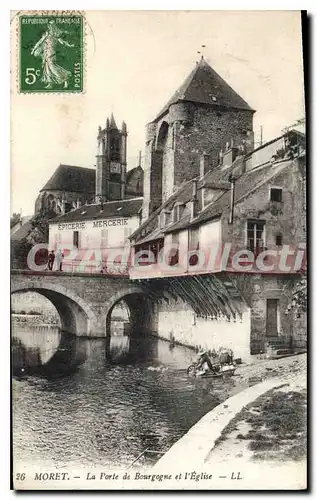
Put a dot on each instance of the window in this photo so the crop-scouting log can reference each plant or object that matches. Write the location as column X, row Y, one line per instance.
column 276, row 194
column 193, row 238
column 279, row 240
column 174, row 253
column 193, row 245
column 256, row 235
column 104, row 238
column 167, row 218
column 75, row 238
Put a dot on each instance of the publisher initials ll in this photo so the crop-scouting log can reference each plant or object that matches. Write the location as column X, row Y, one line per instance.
column 235, row 475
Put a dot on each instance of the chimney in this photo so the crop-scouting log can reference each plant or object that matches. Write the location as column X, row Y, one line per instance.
column 231, row 179
column 204, row 164
column 194, row 201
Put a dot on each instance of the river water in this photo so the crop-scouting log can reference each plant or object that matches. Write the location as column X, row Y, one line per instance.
column 80, row 402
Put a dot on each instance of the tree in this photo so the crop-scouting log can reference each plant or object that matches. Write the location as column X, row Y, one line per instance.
column 40, row 227
column 299, row 297
column 15, row 218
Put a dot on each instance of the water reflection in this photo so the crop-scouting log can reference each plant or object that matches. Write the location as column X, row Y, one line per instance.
column 94, row 404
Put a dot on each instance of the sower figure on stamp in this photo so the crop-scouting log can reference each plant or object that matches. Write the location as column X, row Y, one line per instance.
column 46, row 49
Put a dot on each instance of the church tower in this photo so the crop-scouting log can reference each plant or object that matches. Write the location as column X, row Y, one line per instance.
column 203, row 117
column 111, row 161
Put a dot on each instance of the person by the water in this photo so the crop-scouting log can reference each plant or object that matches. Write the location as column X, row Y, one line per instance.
column 51, row 258
column 203, row 358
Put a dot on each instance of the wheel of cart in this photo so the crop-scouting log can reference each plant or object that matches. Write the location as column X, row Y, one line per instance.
column 191, row 370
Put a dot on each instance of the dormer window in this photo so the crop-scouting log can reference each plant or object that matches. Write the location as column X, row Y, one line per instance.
column 167, row 218
column 178, row 210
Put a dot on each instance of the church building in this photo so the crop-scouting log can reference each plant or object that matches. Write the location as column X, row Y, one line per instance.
column 71, row 187
column 96, row 210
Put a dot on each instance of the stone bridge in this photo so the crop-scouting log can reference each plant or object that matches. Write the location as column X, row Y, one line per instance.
column 85, row 302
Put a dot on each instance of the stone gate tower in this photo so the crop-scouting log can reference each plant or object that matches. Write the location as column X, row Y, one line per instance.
column 111, row 161
column 204, row 115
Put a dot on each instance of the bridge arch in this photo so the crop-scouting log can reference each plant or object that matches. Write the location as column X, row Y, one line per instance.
column 138, row 302
column 76, row 315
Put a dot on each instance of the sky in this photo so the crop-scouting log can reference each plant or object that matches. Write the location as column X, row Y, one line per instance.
column 135, row 60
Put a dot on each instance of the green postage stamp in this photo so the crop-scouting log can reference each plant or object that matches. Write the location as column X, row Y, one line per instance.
column 51, row 53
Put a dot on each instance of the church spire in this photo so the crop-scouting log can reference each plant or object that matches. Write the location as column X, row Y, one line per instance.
column 113, row 124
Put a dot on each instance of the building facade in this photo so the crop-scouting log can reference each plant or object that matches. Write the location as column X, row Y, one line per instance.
column 95, row 238
column 219, row 215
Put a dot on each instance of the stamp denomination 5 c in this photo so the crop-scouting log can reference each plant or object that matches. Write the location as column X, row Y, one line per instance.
column 51, row 53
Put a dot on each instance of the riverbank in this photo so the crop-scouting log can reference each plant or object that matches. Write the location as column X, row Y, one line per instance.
column 259, row 432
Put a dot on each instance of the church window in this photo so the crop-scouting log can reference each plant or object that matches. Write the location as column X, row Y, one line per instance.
column 115, row 148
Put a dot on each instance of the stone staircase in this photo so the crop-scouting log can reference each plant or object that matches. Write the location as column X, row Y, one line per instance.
column 279, row 346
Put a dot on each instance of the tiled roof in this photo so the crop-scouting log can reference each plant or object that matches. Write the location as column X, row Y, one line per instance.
column 71, row 178
column 156, row 235
column 118, row 208
column 205, row 86
column 132, row 171
column 182, row 194
column 244, row 185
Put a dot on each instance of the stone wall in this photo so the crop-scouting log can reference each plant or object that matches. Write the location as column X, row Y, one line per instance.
column 192, row 130
column 177, row 320
column 256, row 290
column 286, row 217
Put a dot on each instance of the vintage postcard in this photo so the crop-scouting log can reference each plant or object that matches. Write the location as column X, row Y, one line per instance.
column 158, row 250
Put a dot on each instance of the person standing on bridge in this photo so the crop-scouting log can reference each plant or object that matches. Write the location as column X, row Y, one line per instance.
column 58, row 262
column 51, row 258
